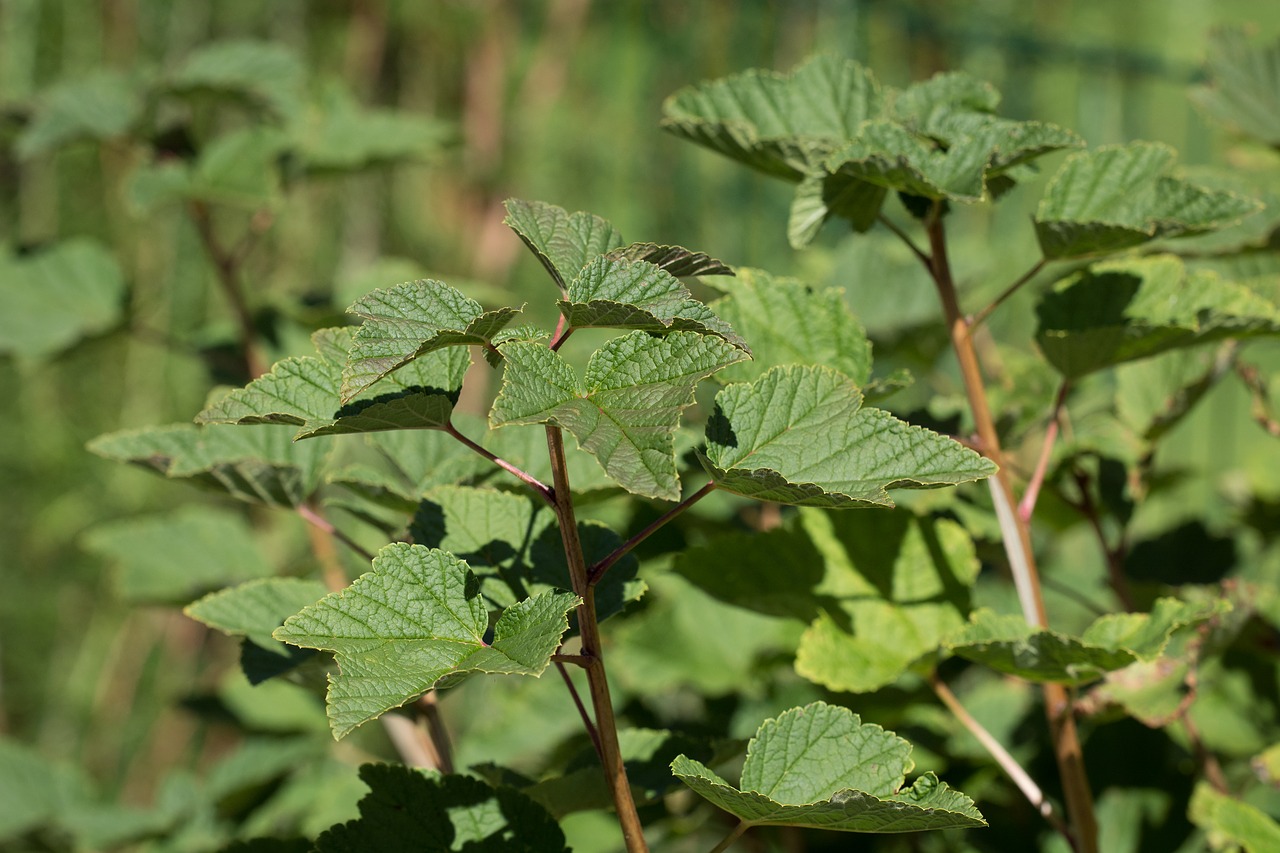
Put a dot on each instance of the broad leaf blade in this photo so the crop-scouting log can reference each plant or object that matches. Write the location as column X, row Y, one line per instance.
column 1233, row 820
column 799, row 435
column 408, row 321
column 256, row 608
column 1008, row 644
column 1116, row 197
column 1244, row 89
column 1124, row 310
column 264, row 73
column 414, row 619
column 626, row 410
column 820, row 766
column 101, row 106
column 564, row 242
column 674, row 260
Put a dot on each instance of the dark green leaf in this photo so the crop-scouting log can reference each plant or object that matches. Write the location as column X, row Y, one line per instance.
column 674, row 260
column 564, row 242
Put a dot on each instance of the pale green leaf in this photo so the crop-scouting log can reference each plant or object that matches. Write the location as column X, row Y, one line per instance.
column 417, row 617
column 258, row 463
column 410, row 320
column 58, row 296
column 1152, row 692
column 800, row 435
column 408, row 811
column 239, row 169
column 305, row 392
column 180, row 555
column 1232, row 821
column 256, row 608
column 35, row 791
column 1147, row 634
column 266, row 74
column 790, row 322
column 564, row 242
column 1244, row 87
column 626, row 410
column 527, row 450
column 1154, row 395
column 1119, row 311
column 922, row 104
column 819, row 766
column 1008, row 644
column 101, row 106
column 638, row 295
column 898, row 586
column 674, row 260
column 821, row 196
column 1116, row 197
column 339, row 135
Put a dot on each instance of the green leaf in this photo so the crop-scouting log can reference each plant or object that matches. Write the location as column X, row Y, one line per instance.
column 410, row 320
column 819, row 766
column 238, row 169
column 821, row 196
column 898, row 586
column 103, row 105
column 260, row 463
column 779, row 124
column 256, row 608
column 673, row 260
column 180, row 555
column 1119, row 311
column 1231, row 821
column 921, row 105
column 341, row 136
column 638, row 295
column 626, row 410
column 305, row 392
column 527, row 450
column 56, row 297
column 799, row 435
column 790, row 322
column 1147, row 634
column 1116, row 197
column 414, row 619
column 564, row 242
column 409, row 811
column 1244, row 87
column 266, row 74
column 35, row 791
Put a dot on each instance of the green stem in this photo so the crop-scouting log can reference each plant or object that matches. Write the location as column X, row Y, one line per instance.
column 589, row 634
column 540, row 489
column 733, row 836
column 1017, row 542
column 1029, row 497
column 597, row 571
column 582, row 709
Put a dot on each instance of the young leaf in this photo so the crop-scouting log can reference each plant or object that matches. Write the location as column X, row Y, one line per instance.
column 180, row 555
column 790, row 322
column 638, row 295
column 1244, row 87
column 1124, row 310
column 56, row 297
column 410, row 320
column 259, row 463
column 305, row 392
column 626, row 410
column 103, row 105
column 819, row 766
column 564, row 242
column 414, row 619
column 409, row 811
column 1116, row 197
column 799, row 435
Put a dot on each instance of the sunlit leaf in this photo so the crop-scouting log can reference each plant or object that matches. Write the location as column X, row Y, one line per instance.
column 626, row 409
column 417, row 617
column 1230, row 821
column 564, row 242
column 820, row 766
column 58, row 296
column 800, row 435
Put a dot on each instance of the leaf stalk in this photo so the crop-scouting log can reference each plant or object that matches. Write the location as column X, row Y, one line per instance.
column 981, row 317
column 539, row 488
column 597, row 571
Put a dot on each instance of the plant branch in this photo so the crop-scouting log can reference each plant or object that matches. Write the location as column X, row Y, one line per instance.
column 562, row 335
column 576, row 660
column 582, row 709
column 589, row 633
column 597, row 571
column 1007, row 762
column 1113, row 556
column 312, row 516
column 227, row 266
column 541, row 489
column 1028, row 503
column 427, row 708
column 1017, row 543
column 906, row 238
column 733, row 836
column 981, row 317
column 1261, row 402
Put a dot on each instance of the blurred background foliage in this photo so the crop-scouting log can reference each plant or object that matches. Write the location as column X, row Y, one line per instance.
column 368, row 142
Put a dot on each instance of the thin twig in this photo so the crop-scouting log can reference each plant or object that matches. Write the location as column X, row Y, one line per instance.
column 560, row 337
column 597, row 571
column 978, row 319
column 733, row 836
column 428, row 709
column 313, row 517
column 1114, row 556
column 541, row 489
column 906, row 238
column 1007, row 762
column 576, row 660
column 414, row 748
column 582, row 709
column 1260, row 397
column 227, row 266
column 1028, row 503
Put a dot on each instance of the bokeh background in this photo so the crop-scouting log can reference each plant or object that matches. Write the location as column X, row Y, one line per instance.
column 557, row 100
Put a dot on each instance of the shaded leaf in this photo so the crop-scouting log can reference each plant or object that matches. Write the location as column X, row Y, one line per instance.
column 1116, row 197
column 305, row 392
column 340, row 135
column 564, row 242
column 408, row 811
column 819, row 766
column 100, row 106
column 626, row 410
column 56, row 297
column 1119, row 311
column 800, row 435
column 239, row 169
column 1244, row 86
column 256, row 608
column 180, row 555
column 673, row 260
column 408, row 321
column 264, row 73
column 414, row 619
